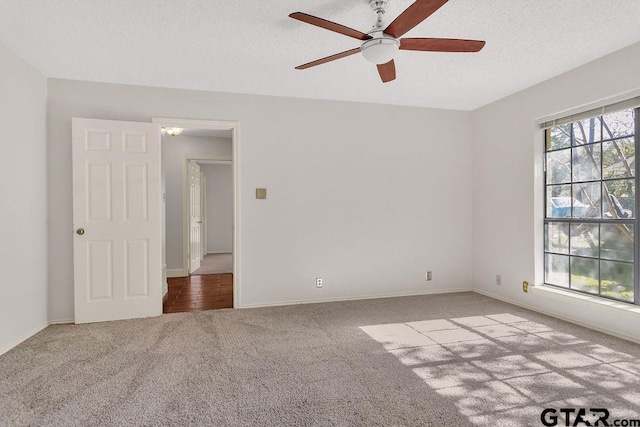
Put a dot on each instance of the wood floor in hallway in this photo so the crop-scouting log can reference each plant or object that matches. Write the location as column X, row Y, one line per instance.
column 197, row 293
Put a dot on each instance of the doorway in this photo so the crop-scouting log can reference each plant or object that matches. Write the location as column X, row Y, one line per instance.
column 200, row 187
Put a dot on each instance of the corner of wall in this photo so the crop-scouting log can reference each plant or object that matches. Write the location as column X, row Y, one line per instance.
column 24, row 241
column 508, row 193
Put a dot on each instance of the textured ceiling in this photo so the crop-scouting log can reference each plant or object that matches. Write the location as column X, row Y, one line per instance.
column 252, row 46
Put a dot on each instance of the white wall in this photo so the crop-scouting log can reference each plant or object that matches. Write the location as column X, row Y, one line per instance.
column 366, row 196
column 219, row 205
column 175, row 150
column 507, row 197
column 23, row 188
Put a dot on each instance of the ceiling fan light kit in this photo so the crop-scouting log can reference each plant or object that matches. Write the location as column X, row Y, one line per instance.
column 380, row 49
column 381, row 45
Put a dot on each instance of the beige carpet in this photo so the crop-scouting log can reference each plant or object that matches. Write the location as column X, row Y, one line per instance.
column 215, row 264
column 442, row 360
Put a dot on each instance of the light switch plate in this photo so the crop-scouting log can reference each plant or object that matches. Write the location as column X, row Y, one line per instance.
column 261, row 193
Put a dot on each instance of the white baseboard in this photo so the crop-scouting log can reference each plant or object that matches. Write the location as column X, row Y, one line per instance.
column 177, row 272
column 28, row 335
column 61, row 322
column 557, row 316
column 355, row 298
column 219, row 252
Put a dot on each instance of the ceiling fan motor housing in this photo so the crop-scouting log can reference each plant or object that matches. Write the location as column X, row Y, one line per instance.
column 381, row 49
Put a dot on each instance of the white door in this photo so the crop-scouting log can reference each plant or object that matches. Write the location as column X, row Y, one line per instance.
column 117, row 220
column 195, row 219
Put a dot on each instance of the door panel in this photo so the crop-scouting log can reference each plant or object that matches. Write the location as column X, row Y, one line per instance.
column 136, row 187
column 98, row 178
column 116, row 218
column 99, row 268
column 137, row 266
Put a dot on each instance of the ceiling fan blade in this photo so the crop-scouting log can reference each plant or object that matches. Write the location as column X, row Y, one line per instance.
column 328, row 59
column 387, row 71
column 441, row 45
column 331, row 26
column 412, row 16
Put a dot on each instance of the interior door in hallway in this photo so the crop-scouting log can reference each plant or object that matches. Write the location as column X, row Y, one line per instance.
column 117, row 220
column 195, row 217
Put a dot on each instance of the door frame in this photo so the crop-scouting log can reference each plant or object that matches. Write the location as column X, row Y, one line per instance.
column 235, row 164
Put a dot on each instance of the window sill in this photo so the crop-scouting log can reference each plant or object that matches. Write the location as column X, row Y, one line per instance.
column 582, row 299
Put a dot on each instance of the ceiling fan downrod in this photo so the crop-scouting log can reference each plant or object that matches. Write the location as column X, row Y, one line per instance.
column 379, row 7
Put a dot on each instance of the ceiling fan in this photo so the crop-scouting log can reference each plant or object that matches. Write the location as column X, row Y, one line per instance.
column 380, row 46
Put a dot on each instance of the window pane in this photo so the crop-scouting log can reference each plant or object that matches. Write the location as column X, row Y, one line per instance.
column 590, row 176
column 585, row 239
column 559, row 201
column 586, row 162
column 587, row 131
column 622, row 195
column 619, row 158
column 616, row 241
column 557, row 237
column 620, row 123
column 617, row 279
column 584, row 274
column 556, row 270
column 586, row 200
column 559, row 166
column 559, row 137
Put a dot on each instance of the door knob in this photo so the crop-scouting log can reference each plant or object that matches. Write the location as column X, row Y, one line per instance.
column 80, row 231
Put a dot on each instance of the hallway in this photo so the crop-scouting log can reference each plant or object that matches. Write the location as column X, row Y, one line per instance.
column 197, row 293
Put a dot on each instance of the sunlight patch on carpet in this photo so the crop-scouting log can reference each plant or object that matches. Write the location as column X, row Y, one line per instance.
column 503, row 368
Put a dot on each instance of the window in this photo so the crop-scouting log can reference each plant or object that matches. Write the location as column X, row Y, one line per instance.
column 590, row 206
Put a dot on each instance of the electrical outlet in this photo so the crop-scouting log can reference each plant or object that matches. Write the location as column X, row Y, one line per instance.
column 525, row 286
column 429, row 275
column 498, row 279
column 319, row 282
